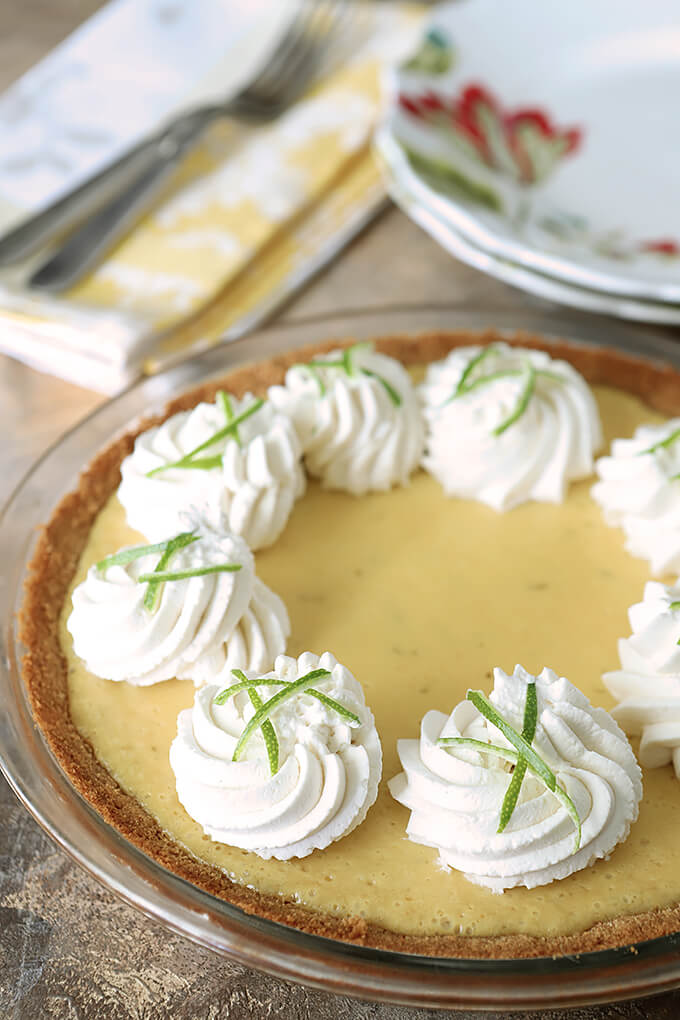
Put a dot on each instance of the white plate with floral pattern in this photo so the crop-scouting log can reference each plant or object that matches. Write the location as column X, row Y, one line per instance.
column 417, row 206
column 547, row 134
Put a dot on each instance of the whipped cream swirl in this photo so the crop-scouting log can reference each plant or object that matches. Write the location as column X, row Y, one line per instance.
column 260, row 635
column 357, row 416
column 328, row 771
column 455, row 794
column 507, row 425
column 197, row 621
column 639, row 490
column 249, row 490
column 648, row 683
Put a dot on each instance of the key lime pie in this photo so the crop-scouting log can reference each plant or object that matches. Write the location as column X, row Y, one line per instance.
column 278, row 656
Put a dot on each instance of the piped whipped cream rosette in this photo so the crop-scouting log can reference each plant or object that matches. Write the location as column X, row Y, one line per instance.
column 639, row 490
column 174, row 608
column 357, row 415
column 262, row 633
column 281, row 764
column 647, row 686
column 236, row 461
column 506, row 425
column 522, row 788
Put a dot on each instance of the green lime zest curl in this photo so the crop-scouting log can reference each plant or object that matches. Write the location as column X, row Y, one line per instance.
column 191, row 460
column 523, row 751
column 671, row 438
column 289, row 689
column 153, row 590
column 528, row 732
column 346, row 364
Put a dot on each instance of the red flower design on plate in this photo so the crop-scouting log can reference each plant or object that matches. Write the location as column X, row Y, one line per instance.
column 662, row 246
column 522, row 143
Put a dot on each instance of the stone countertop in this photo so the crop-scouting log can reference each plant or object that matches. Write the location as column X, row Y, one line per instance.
column 69, row 948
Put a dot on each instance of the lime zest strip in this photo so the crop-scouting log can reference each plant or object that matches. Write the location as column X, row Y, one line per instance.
column 472, row 364
column 290, row 690
column 125, row 556
column 224, row 401
column 297, row 687
column 507, row 373
column 271, row 741
column 312, row 366
column 522, row 403
column 394, row 396
column 335, row 705
column 346, row 363
column 482, row 380
column 229, row 692
column 244, row 684
column 189, row 460
column 224, row 696
column 182, row 575
column 197, row 464
column 524, row 751
column 662, row 444
column 528, row 732
column 464, row 387
column 485, row 708
column 471, row 744
column 675, row 605
column 152, row 594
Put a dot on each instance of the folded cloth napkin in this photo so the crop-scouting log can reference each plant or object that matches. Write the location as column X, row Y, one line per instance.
column 253, row 213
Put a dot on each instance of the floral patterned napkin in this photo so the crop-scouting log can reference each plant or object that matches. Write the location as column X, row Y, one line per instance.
column 255, row 211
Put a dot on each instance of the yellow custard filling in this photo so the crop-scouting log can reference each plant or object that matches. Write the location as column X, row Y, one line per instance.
column 420, row 596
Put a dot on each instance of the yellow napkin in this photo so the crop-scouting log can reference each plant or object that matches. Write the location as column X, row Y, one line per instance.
column 255, row 213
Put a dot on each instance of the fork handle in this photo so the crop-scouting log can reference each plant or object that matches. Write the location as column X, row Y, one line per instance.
column 77, row 205
column 86, row 245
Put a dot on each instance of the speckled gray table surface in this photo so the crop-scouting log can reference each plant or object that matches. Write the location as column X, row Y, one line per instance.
column 69, row 948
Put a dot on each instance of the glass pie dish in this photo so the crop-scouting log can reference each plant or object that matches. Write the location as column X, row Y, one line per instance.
column 627, row 972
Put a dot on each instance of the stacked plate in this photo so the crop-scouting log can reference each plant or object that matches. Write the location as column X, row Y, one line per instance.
column 540, row 143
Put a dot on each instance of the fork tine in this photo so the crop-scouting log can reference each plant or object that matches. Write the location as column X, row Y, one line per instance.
column 301, row 70
column 287, row 75
column 297, row 31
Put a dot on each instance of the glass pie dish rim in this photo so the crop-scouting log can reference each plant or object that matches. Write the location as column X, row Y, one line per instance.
column 42, row 786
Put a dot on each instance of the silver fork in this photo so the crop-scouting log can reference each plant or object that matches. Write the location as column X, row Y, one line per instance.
column 141, row 175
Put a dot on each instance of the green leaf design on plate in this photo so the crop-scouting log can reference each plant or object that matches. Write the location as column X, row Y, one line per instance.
column 448, row 180
column 435, row 55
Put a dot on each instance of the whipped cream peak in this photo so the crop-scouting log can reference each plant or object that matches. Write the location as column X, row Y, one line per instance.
column 647, row 687
column 128, row 626
column 638, row 489
column 507, row 424
column 357, row 417
column 319, row 784
column 237, row 462
column 456, row 792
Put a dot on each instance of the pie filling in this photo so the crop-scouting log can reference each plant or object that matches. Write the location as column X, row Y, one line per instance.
column 420, row 596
